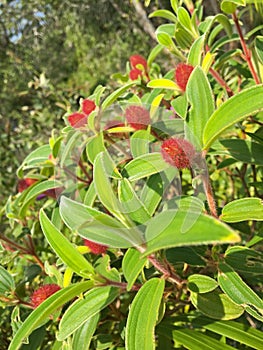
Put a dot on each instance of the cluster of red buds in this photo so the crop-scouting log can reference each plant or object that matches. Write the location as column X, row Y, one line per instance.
column 178, row 152
column 137, row 117
column 42, row 293
column 95, row 248
column 79, row 119
column 139, row 67
column 182, row 74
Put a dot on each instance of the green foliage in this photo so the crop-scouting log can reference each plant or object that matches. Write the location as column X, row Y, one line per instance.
column 135, row 219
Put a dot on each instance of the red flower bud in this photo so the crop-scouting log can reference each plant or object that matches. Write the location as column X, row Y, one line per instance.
column 95, row 248
column 182, row 74
column 77, row 120
column 88, row 106
column 137, row 117
column 42, row 293
column 178, row 152
column 23, row 184
column 135, row 74
column 136, row 60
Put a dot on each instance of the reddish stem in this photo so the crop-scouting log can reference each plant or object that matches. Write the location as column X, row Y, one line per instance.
column 221, row 81
column 246, row 51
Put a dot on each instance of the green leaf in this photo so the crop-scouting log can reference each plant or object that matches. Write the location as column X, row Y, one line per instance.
column 216, row 305
column 145, row 166
column 36, row 190
column 155, row 187
column 164, row 14
column 247, row 261
column 188, row 255
column 154, row 53
column 114, row 96
column 139, row 142
column 229, row 6
column 196, row 51
column 7, row 283
column 236, row 331
column 143, row 316
column 64, row 249
column 66, row 150
column 200, row 98
column 104, row 189
column 259, row 47
column 82, row 336
column 201, row 283
column 94, row 146
column 233, row 285
column 163, row 84
column 235, row 109
column 83, row 309
column 44, row 310
column 132, row 265
column 165, row 40
column 184, row 19
column 243, row 209
column 244, row 150
column 36, row 157
column 194, row 340
column 103, row 268
column 180, row 105
column 97, row 226
column 174, row 228
column 131, row 204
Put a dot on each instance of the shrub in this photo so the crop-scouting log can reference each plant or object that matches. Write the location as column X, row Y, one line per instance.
column 145, row 219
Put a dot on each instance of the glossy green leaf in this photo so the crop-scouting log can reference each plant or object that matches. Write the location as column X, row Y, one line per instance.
column 216, row 305
column 236, row 331
column 200, row 98
column 229, row 6
column 131, row 204
column 174, row 228
column 143, row 316
column 36, row 190
column 81, row 310
column 64, row 249
column 243, row 209
column 44, row 310
column 94, row 146
column 235, row 109
column 97, row 226
column 36, row 157
column 233, row 285
column 259, row 47
column 103, row 268
column 194, row 340
column 145, row 166
column 184, row 19
column 104, row 188
column 196, row 51
column 7, row 283
column 247, row 261
column 67, row 148
column 164, row 14
column 163, row 84
column 90, row 195
column 82, row 337
column 114, row 96
column 165, row 40
column 180, row 105
column 154, row 53
column 154, row 188
column 139, row 142
column 201, row 283
column 132, row 265
column 188, row 255
column 244, row 150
